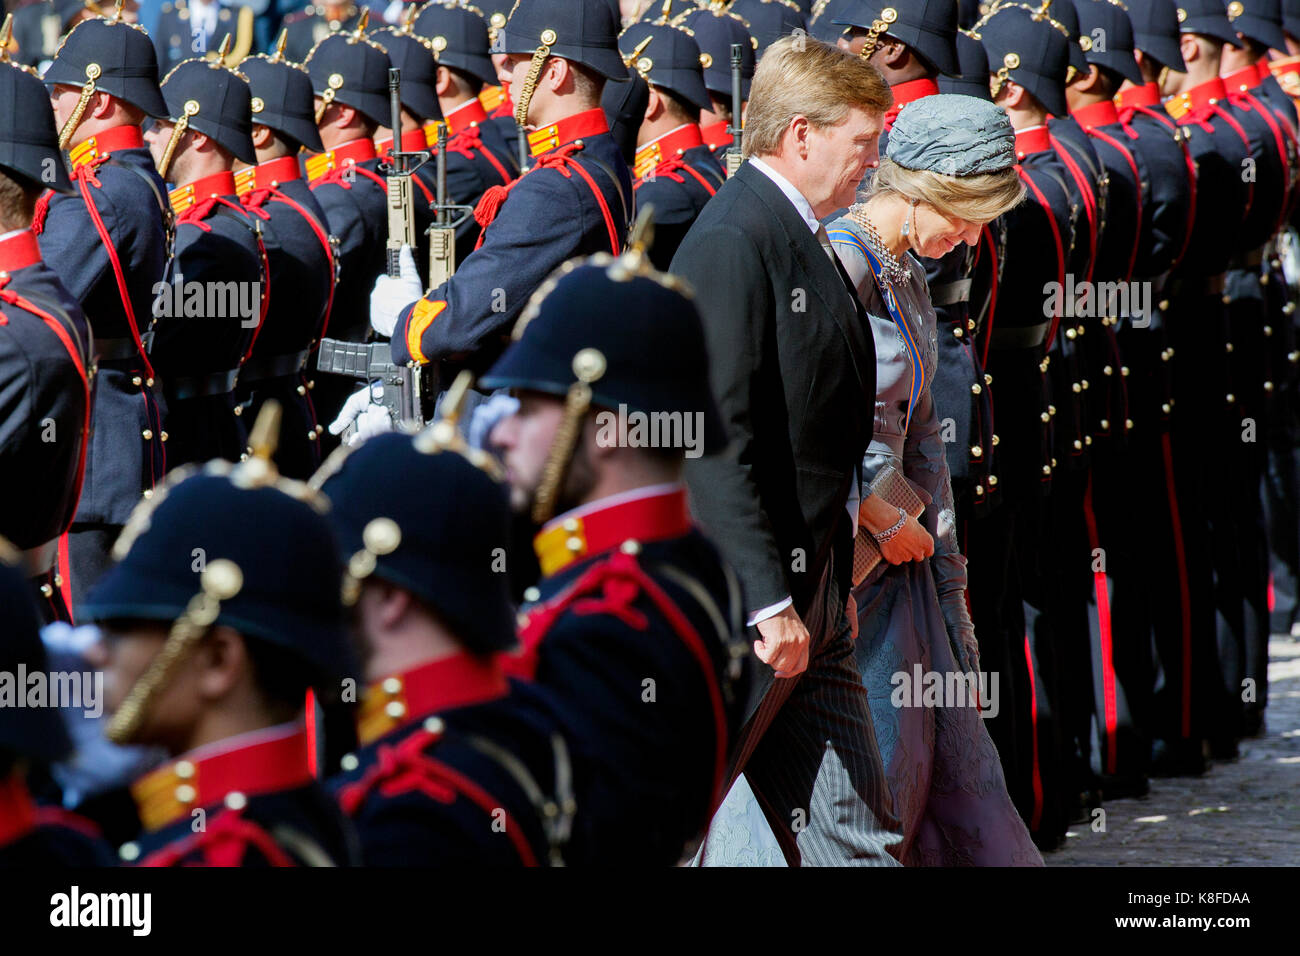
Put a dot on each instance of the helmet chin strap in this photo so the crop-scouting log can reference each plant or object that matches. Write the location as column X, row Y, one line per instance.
column 540, row 56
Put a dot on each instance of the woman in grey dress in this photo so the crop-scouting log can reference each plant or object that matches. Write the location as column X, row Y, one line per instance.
column 949, row 169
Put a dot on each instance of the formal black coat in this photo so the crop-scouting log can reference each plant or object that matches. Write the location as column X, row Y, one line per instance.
column 794, row 370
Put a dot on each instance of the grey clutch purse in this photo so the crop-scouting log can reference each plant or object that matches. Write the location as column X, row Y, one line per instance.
column 890, row 485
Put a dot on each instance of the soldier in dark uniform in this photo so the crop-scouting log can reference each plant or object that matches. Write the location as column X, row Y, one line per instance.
column 232, row 577
column 108, row 242
column 715, row 31
column 636, row 624
column 1134, row 523
column 31, row 835
column 769, row 20
column 45, row 350
column 299, row 252
column 575, row 199
column 1238, row 545
column 1027, row 62
column 674, row 169
column 458, row 765
column 349, row 75
column 1162, row 707
column 1108, row 523
column 1265, row 355
column 479, row 154
column 214, row 298
column 309, row 26
column 197, row 28
column 1220, row 146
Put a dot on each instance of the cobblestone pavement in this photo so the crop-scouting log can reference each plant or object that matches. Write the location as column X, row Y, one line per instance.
column 1244, row 812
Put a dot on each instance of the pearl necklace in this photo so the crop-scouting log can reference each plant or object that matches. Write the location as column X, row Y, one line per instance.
column 895, row 271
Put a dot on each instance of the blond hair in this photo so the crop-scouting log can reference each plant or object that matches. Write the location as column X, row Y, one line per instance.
column 800, row 76
column 980, row 198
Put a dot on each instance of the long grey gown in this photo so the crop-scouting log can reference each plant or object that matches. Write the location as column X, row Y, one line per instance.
column 942, row 766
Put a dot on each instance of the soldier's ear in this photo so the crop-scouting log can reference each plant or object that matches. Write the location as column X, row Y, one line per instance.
column 443, row 83
column 101, row 105
column 654, row 106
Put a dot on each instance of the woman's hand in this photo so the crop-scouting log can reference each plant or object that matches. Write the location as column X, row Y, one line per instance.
column 911, row 543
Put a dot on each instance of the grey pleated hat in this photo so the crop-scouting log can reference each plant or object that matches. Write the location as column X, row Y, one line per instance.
column 954, row 135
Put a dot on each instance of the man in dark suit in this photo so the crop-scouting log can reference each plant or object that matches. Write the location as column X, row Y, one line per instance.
column 794, row 371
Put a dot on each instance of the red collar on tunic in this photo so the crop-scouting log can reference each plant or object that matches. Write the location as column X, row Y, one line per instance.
column 268, row 175
column 356, row 151
column 17, row 812
column 1135, row 96
column 401, row 699
column 716, row 135
column 582, row 533
column 1036, row 139
column 217, row 184
column 1199, row 96
column 672, row 144
column 469, row 113
column 568, row 130
column 1240, row 81
column 19, row 251
column 209, row 775
column 104, row 143
column 413, row 141
column 909, row 92
column 1096, row 114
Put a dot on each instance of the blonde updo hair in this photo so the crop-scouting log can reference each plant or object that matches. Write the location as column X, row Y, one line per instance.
column 980, row 198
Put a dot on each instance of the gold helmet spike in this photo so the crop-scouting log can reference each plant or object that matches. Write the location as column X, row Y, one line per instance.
column 408, row 21
column 444, row 434
column 630, row 60
column 278, row 55
column 223, row 51
column 117, row 11
column 6, row 37
column 362, row 23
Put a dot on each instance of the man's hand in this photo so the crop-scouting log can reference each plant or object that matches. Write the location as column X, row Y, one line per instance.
column 390, row 296
column 361, row 409
column 783, row 643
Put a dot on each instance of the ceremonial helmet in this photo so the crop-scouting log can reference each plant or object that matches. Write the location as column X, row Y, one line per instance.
column 769, row 20
column 228, row 544
column 108, row 55
column 459, row 36
column 581, row 31
column 205, row 95
column 428, row 514
column 284, row 91
column 927, row 27
column 29, row 143
column 715, row 32
column 668, row 57
column 610, row 332
column 1024, row 47
column 351, row 69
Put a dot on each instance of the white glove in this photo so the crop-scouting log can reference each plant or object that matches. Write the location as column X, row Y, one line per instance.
column 390, row 296
column 362, row 412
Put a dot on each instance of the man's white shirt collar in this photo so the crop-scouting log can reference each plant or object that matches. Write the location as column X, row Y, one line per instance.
column 801, row 205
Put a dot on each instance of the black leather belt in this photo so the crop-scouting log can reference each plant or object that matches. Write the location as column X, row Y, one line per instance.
column 1019, row 337
column 218, row 383
column 113, row 350
column 255, row 370
column 951, row 292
